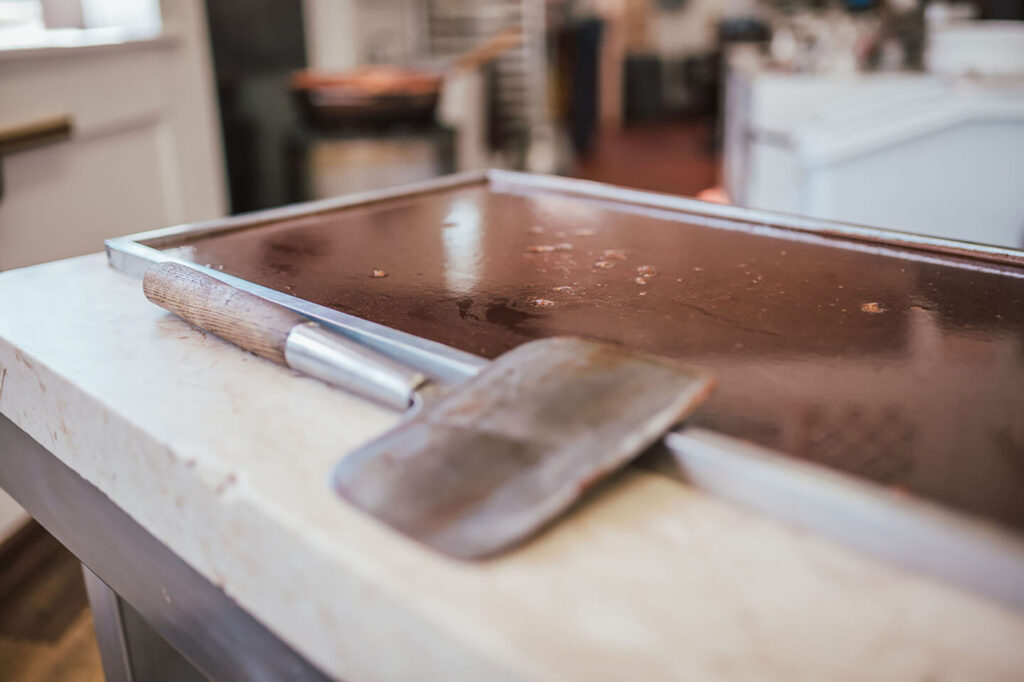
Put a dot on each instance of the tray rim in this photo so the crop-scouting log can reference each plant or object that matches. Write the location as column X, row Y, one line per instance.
column 590, row 189
column 965, row 550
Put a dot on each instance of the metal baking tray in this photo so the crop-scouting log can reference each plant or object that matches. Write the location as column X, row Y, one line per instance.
column 871, row 382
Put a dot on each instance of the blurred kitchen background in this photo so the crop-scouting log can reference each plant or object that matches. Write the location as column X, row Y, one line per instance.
column 119, row 116
column 123, row 115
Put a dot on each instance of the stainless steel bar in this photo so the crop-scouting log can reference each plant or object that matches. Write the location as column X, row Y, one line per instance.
column 130, row 649
column 338, row 361
column 106, row 619
column 969, row 553
column 513, row 180
column 124, row 257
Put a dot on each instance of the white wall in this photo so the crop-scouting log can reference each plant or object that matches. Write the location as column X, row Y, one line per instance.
column 686, row 31
column 332, row 40
column 341, row 34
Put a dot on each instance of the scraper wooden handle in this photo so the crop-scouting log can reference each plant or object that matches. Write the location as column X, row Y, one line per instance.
column 244, row 319
column 279, row 334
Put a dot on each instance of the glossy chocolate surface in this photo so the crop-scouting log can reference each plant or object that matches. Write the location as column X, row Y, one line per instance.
column 904, row 367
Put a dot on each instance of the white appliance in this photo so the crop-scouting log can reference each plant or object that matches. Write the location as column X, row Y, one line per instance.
column 912, row 152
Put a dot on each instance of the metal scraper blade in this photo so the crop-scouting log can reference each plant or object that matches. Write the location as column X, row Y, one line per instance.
column 496, row 458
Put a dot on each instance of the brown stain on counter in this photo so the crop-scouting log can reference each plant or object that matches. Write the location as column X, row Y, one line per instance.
column 902, row 367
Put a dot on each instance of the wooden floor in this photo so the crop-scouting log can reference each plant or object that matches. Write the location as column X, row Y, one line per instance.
column 46, row 632
column 675, row 157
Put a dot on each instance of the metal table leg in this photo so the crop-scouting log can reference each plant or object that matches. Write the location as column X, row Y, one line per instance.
column 146, row 600
column 131, row 650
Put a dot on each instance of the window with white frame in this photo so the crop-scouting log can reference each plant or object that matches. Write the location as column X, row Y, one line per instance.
column 41, row 23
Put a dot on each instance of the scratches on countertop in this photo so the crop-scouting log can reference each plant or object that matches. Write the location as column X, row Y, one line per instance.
column 20, row 357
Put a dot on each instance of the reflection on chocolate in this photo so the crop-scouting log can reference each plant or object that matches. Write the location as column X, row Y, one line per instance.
column 903, row 367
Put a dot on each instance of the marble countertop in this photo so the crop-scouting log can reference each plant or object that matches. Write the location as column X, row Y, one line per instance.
column 224, row 457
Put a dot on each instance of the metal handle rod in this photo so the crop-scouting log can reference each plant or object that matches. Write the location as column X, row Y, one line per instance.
column 340, row 361
column 278, row 334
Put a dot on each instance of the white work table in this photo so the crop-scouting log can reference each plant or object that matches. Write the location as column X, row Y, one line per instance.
column 224, row 458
